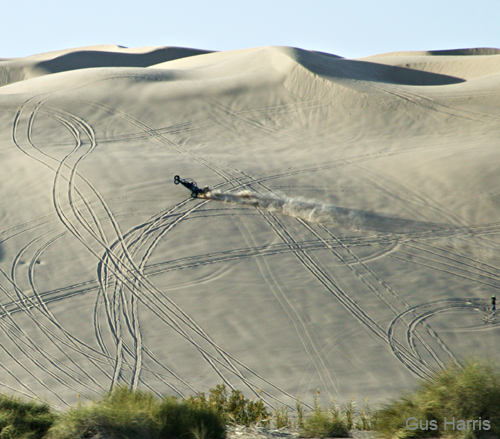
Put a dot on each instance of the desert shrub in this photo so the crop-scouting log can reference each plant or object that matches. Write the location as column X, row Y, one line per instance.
column 181, row 419
column 467, row 394
column 325, row 423
column 281, row 418
column 233, row 408
column 20, row 419
column 366, row 417
column 119, row 414
column 126, row 414
column 349, row 411
column 299, row 408
column 338, row 419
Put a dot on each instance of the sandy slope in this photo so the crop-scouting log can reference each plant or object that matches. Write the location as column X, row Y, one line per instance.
column 350, row 243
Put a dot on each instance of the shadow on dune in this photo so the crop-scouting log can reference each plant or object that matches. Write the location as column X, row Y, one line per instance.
column 333, row 67
column 465, row 52
column 84, row 59
column 365, row 220
column 17, row 70
column 326, row 65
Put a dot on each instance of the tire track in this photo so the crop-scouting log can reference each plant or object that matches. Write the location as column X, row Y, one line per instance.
column 172, row 144
column 119, row 268
column 484, row 269
column 58, row 171
column 373, row 327
column 37, row 302
column 73, row 129
column 209, row 258
column 204, row 122
column 22, row 341
column 30, row 123
column 308, row 340
column 423, row 312
column 116, row 327
column 447, row 268
column 398, row 299
column 433, row 105
column 421, row 369
column 119, row 342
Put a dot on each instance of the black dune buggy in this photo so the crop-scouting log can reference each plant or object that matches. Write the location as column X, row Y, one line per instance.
column 192, row 186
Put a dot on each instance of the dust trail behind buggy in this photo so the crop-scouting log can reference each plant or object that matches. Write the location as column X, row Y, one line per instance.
column 315, row 211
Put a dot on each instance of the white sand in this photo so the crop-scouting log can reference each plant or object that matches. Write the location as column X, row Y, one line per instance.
column 350, row 244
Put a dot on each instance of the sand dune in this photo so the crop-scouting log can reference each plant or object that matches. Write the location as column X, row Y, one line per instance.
column 349, row 244
column 464, row 64
column 14, row 70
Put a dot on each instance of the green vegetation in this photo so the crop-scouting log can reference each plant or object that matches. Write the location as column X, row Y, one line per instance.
column 121, row 413
column 27, row 420
column 471, row 393
column 326, row 423
column 281, row 418
column 300, row 413
column 233, row 408
column 133, row 414
column 182, row 419
column 465, row 394
column 335, row 421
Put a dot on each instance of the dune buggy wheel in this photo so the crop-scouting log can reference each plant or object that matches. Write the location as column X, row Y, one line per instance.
column 177, row 179
column 194, row 194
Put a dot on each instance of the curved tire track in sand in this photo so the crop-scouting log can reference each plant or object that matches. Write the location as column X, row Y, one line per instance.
column 57, row 171
column 308, row 339
column 406, row 323
column 36, row 302
column 415, row 364
column 119, row 269
column 178, row 149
